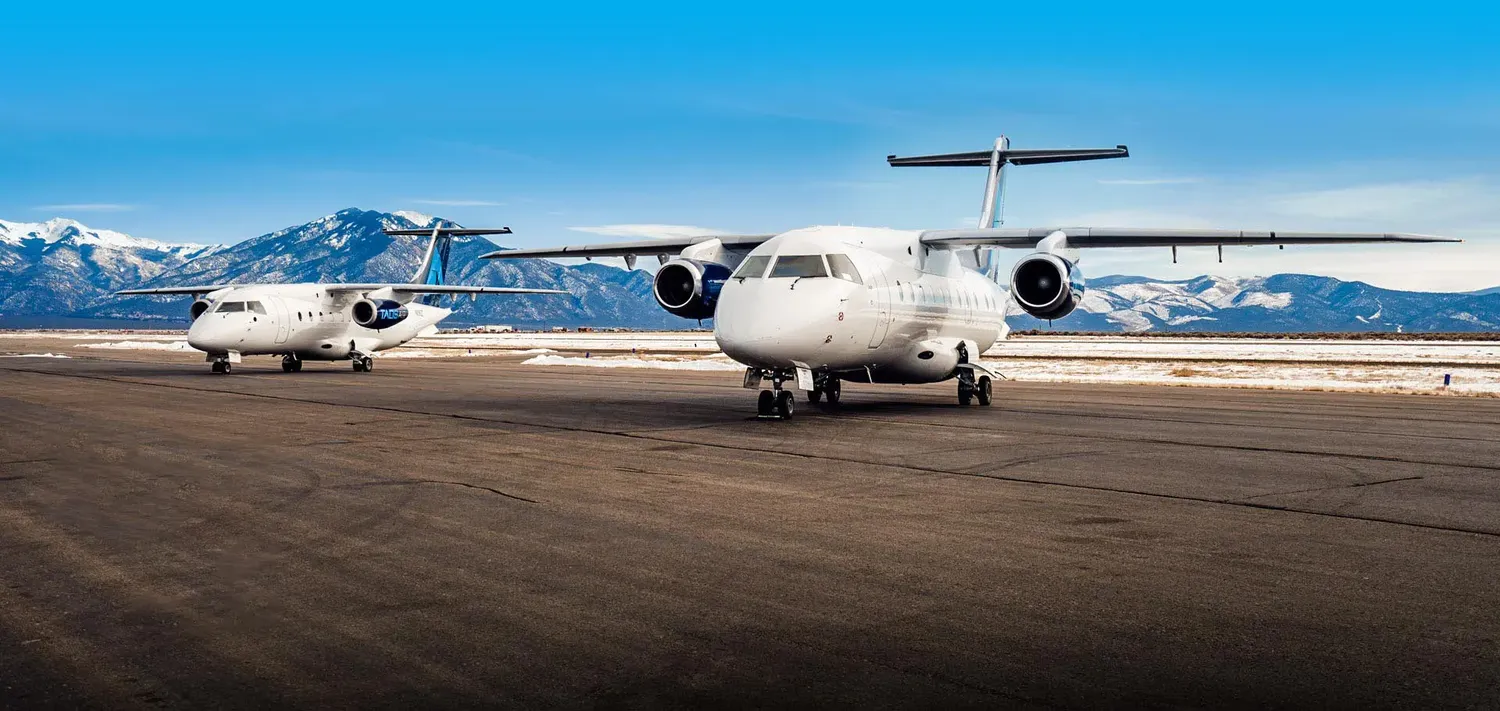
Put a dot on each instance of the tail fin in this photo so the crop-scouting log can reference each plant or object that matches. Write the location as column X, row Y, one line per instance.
column 433, row 270
column 996, row 160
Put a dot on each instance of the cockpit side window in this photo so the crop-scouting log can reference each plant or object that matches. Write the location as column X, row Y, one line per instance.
column 843, row 268
column 230, row 306
column 799, row 265
column 255, row 306
column 753, row 268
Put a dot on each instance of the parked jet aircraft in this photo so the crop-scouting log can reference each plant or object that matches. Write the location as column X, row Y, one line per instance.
column 326, row 321
column 821, row 305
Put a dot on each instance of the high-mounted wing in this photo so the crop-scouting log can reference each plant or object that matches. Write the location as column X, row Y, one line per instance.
column 178, row 289
column 627, row 249
column 439, row 289
column 1081, row 237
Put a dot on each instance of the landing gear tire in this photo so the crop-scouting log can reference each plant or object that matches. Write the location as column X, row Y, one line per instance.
column 291, row 364
column 785, row 405
column 766, row 405
column 831, row 391
column 983, row 392
column 964, row 396
column 364, row 364
column 220, row 366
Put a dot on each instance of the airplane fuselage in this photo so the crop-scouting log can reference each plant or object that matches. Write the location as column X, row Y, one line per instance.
column 904, row 318
column 304, row 320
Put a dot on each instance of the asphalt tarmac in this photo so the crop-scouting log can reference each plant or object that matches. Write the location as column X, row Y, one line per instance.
column 473, row 532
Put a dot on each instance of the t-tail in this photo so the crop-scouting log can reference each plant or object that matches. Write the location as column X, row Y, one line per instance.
column 433, row 271
column 991, row 212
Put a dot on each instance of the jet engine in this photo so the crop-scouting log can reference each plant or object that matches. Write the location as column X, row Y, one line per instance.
column 378, row 314
column 1046, row 285
column 689, row 288
column 200, row 307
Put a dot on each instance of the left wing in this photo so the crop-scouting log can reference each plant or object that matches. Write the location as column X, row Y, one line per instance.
column 628, row 249
column 1080, row 237
column 178, row 289
column 439, row 289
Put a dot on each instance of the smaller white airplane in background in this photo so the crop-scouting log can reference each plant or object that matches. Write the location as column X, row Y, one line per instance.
column 326, row 321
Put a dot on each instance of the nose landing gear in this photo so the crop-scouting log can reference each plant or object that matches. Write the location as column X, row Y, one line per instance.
column 290, row 363
column 776, row 403
column 220, row 365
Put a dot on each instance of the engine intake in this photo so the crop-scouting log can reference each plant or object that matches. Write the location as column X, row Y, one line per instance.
column 200, row 307
column 1046, row 285
column 689, row 288
column 378, row 314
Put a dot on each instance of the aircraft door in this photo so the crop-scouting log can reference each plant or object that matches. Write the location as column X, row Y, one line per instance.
column 880, row 295
column 283, row 319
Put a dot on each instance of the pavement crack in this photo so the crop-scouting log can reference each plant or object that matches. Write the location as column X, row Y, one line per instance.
column 1355, row 485
column 464, row 484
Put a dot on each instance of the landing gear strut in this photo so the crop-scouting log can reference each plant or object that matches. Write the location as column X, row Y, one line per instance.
column 776, row 403
column 290, row 363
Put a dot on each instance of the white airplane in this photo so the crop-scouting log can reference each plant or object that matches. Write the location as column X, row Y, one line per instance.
column 326, row 321
column 821, row 305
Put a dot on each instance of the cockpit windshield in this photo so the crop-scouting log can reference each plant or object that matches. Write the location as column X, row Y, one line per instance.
column 753, row 268
column 843, row 268
column 255, row 306
column 230, row 307
column 799, row 265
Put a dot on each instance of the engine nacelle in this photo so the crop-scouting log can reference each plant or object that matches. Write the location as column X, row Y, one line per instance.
column 378, row 314
column 200, row 307
column 689, row 288
column 1046, row 285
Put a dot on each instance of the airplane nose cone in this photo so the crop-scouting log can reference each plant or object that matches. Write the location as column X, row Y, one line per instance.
column 205, row 336
column 770, row 324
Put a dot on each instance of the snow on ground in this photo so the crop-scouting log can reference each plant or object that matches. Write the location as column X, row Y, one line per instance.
column 659, row 363
column 1414, row 352
column 140, row 346
column 679, row 341
column 35, row 355
column 1350, row 378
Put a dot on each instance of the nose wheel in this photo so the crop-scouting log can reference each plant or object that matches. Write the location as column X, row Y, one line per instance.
column 773, row 404
column 220, row 366
column 291, row 364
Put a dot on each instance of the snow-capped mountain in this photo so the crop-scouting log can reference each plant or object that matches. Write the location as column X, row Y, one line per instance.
column 60, row 265
column 350, row 246
column 61, row 268
column 1285, row 303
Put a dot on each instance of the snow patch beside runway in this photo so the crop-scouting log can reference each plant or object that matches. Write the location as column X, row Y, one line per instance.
column 35, row 355
column 659, row 363
column 140, row 346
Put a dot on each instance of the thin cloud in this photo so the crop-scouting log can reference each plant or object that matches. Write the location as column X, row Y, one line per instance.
column 86, row 207
column 460, row 203
column 1151, row 181
column 1421, row 200
column 649, row 231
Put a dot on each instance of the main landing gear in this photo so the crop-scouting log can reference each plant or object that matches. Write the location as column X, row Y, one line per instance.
column 824, row 386
column 972, row 388
column 363, row 363
column 776, row 403
column 291, row 364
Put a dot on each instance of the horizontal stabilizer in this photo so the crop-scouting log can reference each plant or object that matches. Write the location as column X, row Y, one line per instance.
column 453, row 231
column 1030, row 156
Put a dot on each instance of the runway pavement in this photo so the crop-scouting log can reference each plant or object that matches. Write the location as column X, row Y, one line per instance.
column 473, row 532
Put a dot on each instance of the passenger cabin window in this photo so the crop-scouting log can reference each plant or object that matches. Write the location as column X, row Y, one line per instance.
column 255, row 306
column 753, row 268
column 799, row 265
column 230, row 307
column 843, row 268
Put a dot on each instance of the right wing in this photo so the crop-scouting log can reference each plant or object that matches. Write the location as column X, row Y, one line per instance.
column 178, row 289
column 628, row 249
column 1077, row 237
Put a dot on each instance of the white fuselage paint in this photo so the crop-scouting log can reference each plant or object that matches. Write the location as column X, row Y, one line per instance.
column 904, row 324
column 301, row 319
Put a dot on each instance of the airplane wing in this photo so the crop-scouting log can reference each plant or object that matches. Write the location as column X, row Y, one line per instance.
column 627, row 249
column 439, row 289
column 178, row 289
column 1080, row 237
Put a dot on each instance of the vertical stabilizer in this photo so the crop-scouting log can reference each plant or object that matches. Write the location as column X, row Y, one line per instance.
column 990, row 213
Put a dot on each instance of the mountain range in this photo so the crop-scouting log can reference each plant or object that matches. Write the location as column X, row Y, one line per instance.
column 60, row 271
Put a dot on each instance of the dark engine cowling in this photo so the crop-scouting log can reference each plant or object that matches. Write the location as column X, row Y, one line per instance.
column 689, row 288
column 1046, row 285
column 378, row 314
column 200, row 307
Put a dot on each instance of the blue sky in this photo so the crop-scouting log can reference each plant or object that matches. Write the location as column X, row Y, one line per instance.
column 210, row 125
